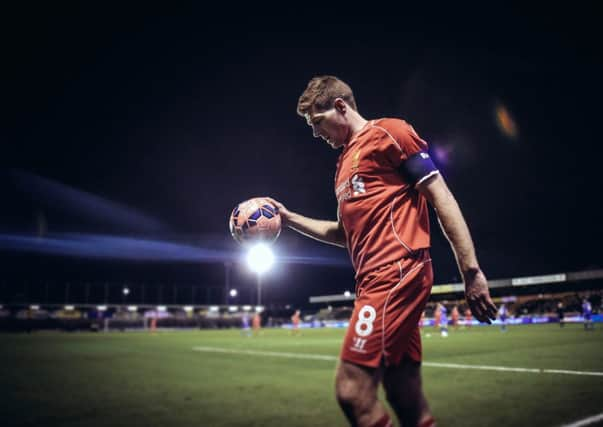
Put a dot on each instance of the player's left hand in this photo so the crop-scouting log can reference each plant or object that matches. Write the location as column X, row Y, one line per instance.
column 477, row 296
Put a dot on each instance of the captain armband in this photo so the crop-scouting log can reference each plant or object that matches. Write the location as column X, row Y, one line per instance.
column 418, row 168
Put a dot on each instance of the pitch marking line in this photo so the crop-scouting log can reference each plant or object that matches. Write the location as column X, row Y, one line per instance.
column 430, row 364
column 585, row 421
column 266, row 353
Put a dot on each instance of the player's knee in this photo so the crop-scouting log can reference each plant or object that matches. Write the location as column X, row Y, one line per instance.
column 349, row 395
column 346, row 392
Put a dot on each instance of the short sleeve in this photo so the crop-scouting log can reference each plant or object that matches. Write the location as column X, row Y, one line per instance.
column 399, row 142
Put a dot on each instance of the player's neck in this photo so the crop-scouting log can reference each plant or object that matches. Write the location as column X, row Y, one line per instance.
column 357, row 122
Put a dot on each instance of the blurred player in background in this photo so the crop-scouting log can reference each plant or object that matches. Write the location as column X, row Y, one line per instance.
column 443, row 320
column 383, row 182
column 245, row 328
column 560, row 314
column 256, row 323
column 587, row 312
column 502, row 315
column 468, row 317
column 295, row 319
column 454, row 317
column 437, row 316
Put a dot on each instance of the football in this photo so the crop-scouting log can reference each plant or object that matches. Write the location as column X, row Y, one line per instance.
column 255, row 220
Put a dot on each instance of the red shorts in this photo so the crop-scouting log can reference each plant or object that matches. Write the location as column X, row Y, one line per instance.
column 388, row 307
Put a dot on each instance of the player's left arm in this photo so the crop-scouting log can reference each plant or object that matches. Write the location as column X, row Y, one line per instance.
column 455, row 229
column 407, row 152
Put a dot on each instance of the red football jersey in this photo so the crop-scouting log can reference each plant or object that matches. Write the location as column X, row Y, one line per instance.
column 383, row 215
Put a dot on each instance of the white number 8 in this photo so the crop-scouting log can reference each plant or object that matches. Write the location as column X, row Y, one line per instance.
column 366, row 316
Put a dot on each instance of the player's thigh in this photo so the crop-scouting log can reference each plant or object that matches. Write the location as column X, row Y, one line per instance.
column 403, row 381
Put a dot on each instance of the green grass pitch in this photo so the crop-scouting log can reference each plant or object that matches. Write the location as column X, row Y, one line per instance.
column 130, row 379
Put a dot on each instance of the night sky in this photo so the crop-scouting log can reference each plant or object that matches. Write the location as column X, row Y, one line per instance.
column 131, row 126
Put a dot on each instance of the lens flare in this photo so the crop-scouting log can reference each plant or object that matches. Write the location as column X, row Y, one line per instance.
column 505, row 122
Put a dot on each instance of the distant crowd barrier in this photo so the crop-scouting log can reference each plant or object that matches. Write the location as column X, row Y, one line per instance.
column 142, row 324
column 427, row 322
column 107, row 324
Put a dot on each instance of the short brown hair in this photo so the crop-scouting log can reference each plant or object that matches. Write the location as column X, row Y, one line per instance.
column 321, row 93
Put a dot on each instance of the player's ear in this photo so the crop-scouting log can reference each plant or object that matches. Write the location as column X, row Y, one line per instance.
column 340, row 105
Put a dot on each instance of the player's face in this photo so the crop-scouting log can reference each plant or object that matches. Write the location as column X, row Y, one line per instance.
column 328, row 125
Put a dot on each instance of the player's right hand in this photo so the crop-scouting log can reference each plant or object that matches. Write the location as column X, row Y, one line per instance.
column 282, row 210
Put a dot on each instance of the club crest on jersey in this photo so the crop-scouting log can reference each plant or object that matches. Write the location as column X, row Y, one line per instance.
column 358, row 185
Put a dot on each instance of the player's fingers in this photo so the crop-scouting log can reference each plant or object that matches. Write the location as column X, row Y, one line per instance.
column 487, row 306
column 271, row 200
column 479, row 312
column 279, row 206
column 474, row 310
column 484, row 307
column 485, row 319
column 492, row 310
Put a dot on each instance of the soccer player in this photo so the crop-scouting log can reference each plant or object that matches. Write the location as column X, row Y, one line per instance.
column 587, row 315
column 454, row 316
column 502, row 314
column 245, row 328
column 256, row 323
column 443, row 320
column 383, row 182
column 295, row 318
column 560, row 314
column 437, row 317
column 468, row 317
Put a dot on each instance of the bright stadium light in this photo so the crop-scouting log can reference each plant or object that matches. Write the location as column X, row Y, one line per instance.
column 233, row 293
column 346, row 294
column 260, row 258
column 126, row 291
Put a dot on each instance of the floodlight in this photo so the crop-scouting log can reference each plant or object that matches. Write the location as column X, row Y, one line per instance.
column 260, row 258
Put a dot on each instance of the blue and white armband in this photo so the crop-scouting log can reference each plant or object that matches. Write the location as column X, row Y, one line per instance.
column 418, row 167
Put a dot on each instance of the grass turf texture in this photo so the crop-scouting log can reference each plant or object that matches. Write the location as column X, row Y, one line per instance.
column 126, row 379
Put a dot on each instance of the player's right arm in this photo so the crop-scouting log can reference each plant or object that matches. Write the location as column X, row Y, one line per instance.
column 330, row 232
